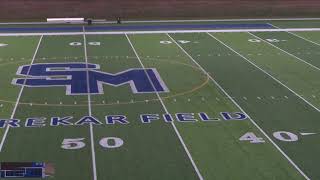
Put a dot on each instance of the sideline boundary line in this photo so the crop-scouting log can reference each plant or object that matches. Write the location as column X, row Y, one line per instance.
column 160, row 32
column 178, row 20
column 235, row 103
column 93, row 153
column 166, row 110
column 282, row 152
column 18, row 98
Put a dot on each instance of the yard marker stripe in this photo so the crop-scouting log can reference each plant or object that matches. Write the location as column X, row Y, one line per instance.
column 286, row 52
column 166, row 110
column 273, row 77
column 252, row 121
column 297, row 35
column 93, row 153
column 19, row 96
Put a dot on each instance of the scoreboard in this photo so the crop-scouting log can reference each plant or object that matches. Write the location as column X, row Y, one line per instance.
column 22, row 170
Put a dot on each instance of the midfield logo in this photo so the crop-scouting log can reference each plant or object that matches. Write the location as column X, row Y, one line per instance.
column 82, row 78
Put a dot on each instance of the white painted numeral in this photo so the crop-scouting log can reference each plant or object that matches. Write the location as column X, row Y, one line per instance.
column 75, row 44
column 269, row 40
column 272, row 40
column 165, row 42
column 106, row 142
column 179, row 41
column 285, row 136
column 252, row 138
column 94, row 43
column 73, row 143
column 183, row 41
column 111, row 142
column 254, row 40
column 89, row 43
column 3, row 45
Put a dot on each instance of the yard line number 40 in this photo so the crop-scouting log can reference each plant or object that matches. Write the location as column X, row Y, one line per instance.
column 279, row 135
column 268, row 40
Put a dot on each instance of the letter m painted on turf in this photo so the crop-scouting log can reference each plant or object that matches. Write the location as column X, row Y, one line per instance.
column 82, row 78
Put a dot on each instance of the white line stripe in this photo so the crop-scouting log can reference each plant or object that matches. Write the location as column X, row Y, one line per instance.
column 93, row 153
column 161, row 32
column 313, row 66
column 180, row 20
column 296, row 35
column 19, row 96
column 166, row 110
column 252, row 121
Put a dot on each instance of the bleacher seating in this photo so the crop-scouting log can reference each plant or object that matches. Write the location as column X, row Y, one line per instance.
column 137, row 9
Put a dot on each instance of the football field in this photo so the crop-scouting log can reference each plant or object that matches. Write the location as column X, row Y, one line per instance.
column 163, row 106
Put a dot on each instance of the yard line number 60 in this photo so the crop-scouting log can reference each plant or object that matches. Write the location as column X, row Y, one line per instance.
column 106, row 142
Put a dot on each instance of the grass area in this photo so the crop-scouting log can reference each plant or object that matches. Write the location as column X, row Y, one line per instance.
column 269, row 77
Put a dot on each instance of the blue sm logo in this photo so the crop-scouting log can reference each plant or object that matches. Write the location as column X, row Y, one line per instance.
column 83, row 78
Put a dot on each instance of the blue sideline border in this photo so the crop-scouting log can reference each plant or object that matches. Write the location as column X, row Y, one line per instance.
column 135, row 27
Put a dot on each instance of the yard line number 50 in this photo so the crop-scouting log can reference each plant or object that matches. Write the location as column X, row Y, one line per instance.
column 106, row 142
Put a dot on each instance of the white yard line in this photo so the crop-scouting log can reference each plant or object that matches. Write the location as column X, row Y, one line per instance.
column 252, row 121
column 93, row 153
column 313, row 66
column 161, row 32
column 18, row 99
column 166, row 110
